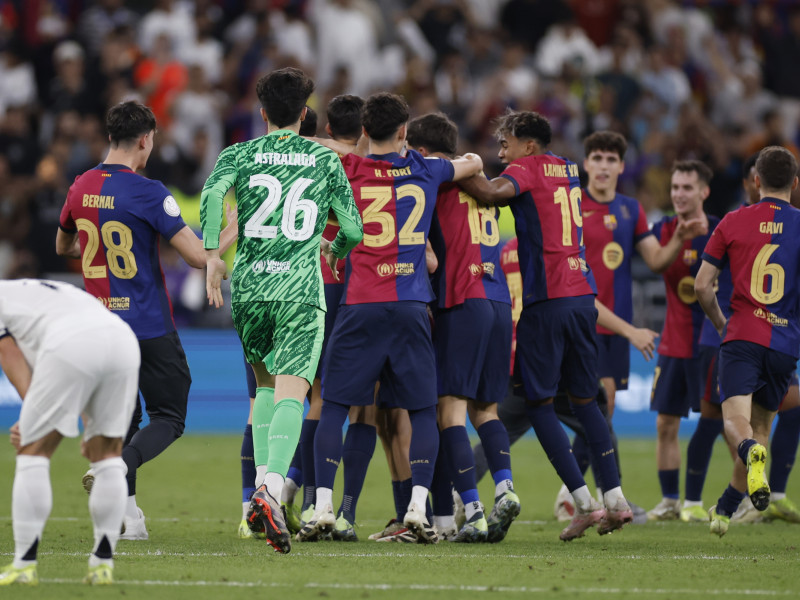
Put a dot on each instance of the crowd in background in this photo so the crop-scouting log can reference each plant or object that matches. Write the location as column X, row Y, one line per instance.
column 712, row 80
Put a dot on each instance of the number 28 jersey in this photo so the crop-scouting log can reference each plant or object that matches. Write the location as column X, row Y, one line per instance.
column 760, row 245
column 285, row 186
column 119, row 216
column 396, row 196
column 549, row 224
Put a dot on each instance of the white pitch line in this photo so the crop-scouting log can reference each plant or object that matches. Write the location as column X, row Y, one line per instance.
column 263, row 549
column 444, row 588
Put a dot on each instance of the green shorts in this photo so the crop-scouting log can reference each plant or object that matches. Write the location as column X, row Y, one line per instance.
column 289, row 334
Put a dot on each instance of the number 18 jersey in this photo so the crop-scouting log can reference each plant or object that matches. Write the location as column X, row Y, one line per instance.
column 119, row 216
column 285, row 186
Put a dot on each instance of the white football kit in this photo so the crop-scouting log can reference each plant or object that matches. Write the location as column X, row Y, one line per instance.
column 85, row 360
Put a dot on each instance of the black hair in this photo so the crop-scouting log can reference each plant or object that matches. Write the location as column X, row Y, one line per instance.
column 283, row 94
column 128, row 121
column 435, row 132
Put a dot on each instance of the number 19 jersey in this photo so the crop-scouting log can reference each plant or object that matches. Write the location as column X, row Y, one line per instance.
column 285, row 186
column 549, row 224
column 119, row 216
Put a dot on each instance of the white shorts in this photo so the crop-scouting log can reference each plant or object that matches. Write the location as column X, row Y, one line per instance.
column 96, row 376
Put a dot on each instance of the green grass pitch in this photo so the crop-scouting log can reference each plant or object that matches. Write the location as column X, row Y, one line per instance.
column 191, row 498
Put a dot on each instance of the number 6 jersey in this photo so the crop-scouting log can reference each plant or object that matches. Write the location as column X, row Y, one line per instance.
column 119, row 216
column 760, row 244
column 284, row 186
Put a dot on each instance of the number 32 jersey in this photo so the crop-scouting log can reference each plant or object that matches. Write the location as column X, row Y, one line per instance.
column 760, row 244
column 119, row 216
column 285, row 186
column 396, row 196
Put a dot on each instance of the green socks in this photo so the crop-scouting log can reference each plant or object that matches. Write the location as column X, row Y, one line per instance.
column 284, row 433
column 263, row 409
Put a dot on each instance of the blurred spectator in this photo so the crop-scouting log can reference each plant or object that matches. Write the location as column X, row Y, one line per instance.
column 346, row 39
column 527, row 21
column 160, row 77
column 17, row 81
column 171, row 18
column 666, row 82
column 18, row 141
column 206, row 50
column 101, row 19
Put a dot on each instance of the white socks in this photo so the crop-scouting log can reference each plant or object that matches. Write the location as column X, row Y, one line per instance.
column 107, row 506
column 131, row 509
column 419, row 495
column 470, row 508
column 289, row 491
column 583, row 499
column 31, row 503
column 503, row 487
column 274, row 482
column 613, row 497
column 324, row 496
column 261, row 474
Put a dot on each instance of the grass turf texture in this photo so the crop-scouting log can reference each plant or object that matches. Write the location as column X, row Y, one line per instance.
column 191, row 498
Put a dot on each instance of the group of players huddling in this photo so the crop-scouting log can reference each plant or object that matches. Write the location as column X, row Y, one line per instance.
column 415, row 330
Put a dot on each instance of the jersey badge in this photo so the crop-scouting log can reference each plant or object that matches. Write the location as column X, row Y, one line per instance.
column 690, row 256
column 171, row 207
column 610, row 222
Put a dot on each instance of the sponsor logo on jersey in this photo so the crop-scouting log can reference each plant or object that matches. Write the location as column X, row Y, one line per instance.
column 271, row 266
column 686, row 290
column 771, row 318
column 610, row 222
column 388, row 269
column 291, row 160
column 116, row 302
column 613, row 255
column 96, row 201
column 573, row 263
column 690, row 256
column 171, row 207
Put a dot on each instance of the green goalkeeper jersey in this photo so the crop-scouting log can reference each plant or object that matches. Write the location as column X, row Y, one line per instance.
column 284, row 187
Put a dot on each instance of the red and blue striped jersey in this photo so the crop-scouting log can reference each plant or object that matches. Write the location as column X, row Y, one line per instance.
column 466, row 240
column 685, row 316
column 396, row 196
column 509, row 259
column 611, row 231
column 549, row 225
column 761, row 246
column 119, row 217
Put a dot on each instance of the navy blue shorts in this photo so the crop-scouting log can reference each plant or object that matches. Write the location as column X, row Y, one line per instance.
column 388, row 342
column 614, row 359
column 556, row 339
column 748, row 368
column 709, row 365
column 333, row 295
column 251, row 379
column 473, row 350
column 677, row 386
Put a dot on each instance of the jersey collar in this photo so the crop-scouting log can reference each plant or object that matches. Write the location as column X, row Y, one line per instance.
column 390, row 157
column 113, row 167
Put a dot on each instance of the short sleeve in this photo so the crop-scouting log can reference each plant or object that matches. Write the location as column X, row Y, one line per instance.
column 163, row 212
column 65, row 221
column 642, row 229
column 717, row 247
column 658, row 228
column 441, row 168
column 518, row 175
